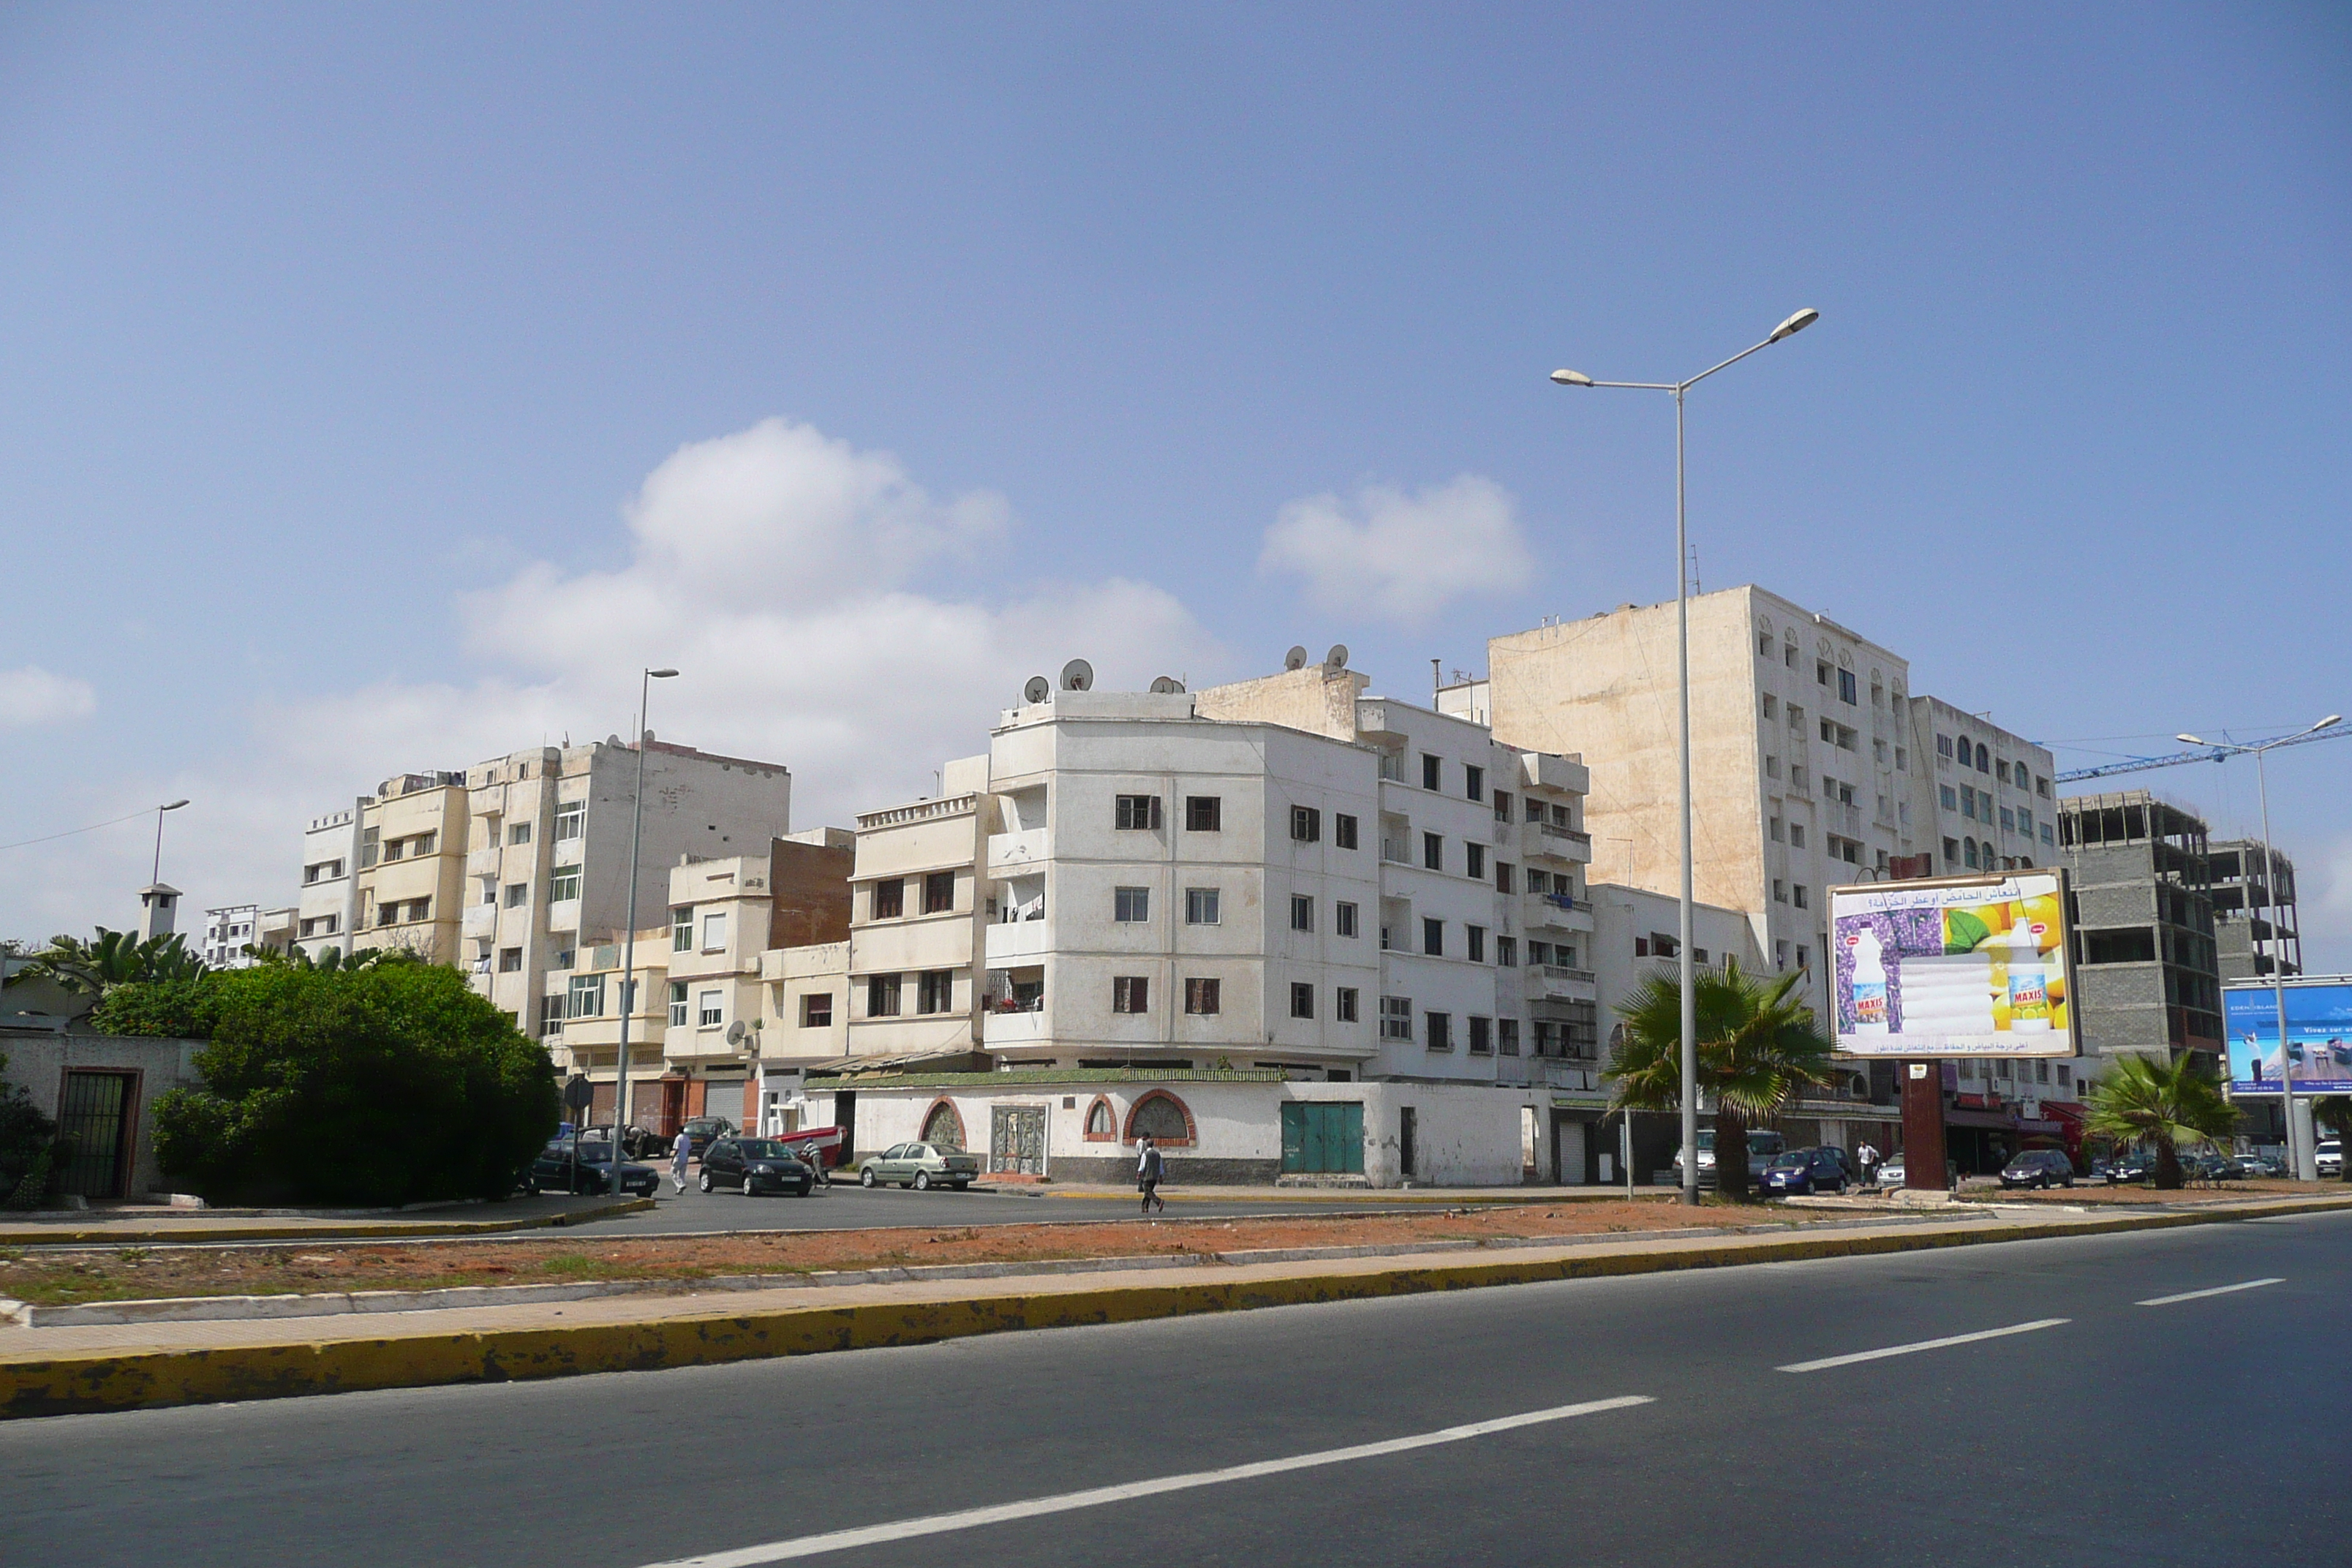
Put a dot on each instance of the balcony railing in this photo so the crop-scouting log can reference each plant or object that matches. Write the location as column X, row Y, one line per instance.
column 1395, row 852
column 1573, row 834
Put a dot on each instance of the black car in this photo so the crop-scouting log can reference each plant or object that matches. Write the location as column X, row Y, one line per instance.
column 556, row 1170
column 701, row 1130
column 756, row 1166
column 2043, row 1168
column 1823, row 1170
column 635, row 1141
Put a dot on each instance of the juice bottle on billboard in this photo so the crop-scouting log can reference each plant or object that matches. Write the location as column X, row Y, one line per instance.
column 1869, row 984
column 2029, row 981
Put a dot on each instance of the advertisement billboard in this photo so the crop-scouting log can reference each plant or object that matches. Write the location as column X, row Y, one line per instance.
column 2319, row 1035
column 1953, row 966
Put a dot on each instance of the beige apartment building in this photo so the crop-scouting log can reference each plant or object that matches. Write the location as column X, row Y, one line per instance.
column 409, row 887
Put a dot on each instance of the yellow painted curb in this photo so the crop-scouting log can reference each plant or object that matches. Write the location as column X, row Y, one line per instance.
column 148, row 1380
column 317, row 1230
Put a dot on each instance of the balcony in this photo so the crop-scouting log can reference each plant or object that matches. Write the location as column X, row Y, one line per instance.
column 1559, row 911
column 482, row 862
column 1557, row 982
column 1016, row 1025
column 1395, row 852
column 1009, row 854
column 1015, row 943
column 1569, row 1073
column 480, row 919
column 1545, row 841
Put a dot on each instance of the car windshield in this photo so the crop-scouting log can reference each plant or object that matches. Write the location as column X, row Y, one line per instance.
column 704, row 1124
column 1791, row 1161
column 764, row 1149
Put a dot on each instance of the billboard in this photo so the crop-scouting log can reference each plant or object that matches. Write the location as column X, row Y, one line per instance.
column 1953, row 966
column 2319, row 1035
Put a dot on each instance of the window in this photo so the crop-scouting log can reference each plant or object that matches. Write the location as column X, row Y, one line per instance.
column 1343, row 919
column 1474, row 783
column 420, row 909
column 571, row 821
column 677, row 1003
column 816, row 1010
column 2008, row 820
column 938, row 893
column 564, row 884
column 1396, row 1017
column 1302, row 912
column 2040, row 1072
column 1771, row 767
column 882, row 996
column 890, row 900
column 2046, row 838
column 1506, row 1036
column 1949, row 796
column 1829, row 732
column 1951, row 850
column 1130, row 993
column 1797, row 893
column 1503, row 876
column 395, row 848
column 1507, row 951
column 1789, row 656
column 1502, row 807
column 681, row 930
column 518, row 894
column 1482, row 1035
column 714, row 931
column 1137, row 813
column 1778, row 835
column 519, row 833
column 1796, row 836
column 1797, row 780
column 1902, row 760
column 1130, row 905
column 1845, row 686
column 1433, row 937
column 1439, row 1030
column 1433, row 851
column 1343, row 1004
column 1779, row 955
column 1200, row 996
column 1969, row 803
column 1204, row 813
column 1984, row 758
column 1343, row 830
column 1159, row 1116
column 1780, row 892
column 509, row 960
column 424, row 843
column 1821, row 672
column 935, row 991
column 389, row 914
column 1540, row 881
column 712, row 1010
column 1796, row 717
column 584, row 997
column 1305, row 824
column 1200, row 905
column 1302, row 999
column 1804, row 956
column 2025, row 822
column 1099, row 1127
column 1473, row 941
column 1943, row 745
column 2041, row 787
column 1430, row 772
column 1473, row 861
column 1771, row 706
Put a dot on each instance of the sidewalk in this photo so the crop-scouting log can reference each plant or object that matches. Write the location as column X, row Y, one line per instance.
column 133, row 1225
column 1449, row 1198
column 55, row 1371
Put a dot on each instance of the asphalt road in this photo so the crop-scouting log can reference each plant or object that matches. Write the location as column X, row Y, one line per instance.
column 2206, row 1430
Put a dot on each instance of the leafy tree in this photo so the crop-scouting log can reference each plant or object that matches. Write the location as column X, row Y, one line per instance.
column 2335, row 1111
column 1757, row 1050
column 25, row 1136
column 114, row 957
column 2140, row 1099
column 388, row 1083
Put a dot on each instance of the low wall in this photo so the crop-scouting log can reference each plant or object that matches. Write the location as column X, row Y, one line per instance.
column 39, row 1063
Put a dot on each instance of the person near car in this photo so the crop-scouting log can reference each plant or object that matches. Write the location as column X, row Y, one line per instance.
column 1148, row 1169
column 680, row 1152
column 1867, row 1157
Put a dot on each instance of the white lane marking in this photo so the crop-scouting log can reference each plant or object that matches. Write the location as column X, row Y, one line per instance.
column 1827, row 1361
column 2201, row 1295
column 943, row 1523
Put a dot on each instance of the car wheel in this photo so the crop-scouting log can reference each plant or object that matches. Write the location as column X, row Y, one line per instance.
column 922, row 1181
column 865, row 1177
column 806, row 1188
column 531, row 1186
column 705, row 1183
column 747, row 1186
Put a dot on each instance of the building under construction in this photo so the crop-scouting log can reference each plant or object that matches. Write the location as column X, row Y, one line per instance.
column 2254, row 911
column 2146, row 964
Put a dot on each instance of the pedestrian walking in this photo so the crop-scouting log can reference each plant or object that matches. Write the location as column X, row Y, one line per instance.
column 1867, row 1157
column 680, row 1152
column 1148, row 1169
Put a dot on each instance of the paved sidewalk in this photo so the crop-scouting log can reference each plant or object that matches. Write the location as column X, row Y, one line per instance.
column 132, row 1226
column 1449, row 1198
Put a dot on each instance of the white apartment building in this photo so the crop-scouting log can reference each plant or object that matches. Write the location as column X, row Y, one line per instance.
column 1989, row 796
column 230, row 929
column 327, row 906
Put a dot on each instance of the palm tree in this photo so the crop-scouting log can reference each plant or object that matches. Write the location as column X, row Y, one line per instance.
column 114, row 957
column 1757, row 1048
column 2335, row 1111
column 2141, row 1100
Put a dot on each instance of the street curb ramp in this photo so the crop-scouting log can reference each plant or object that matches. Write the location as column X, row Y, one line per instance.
column 156, row 1378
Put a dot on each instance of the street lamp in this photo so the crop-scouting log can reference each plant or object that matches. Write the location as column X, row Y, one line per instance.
column 1790, row 328
column 156, row 874
column 2301, row 1157
column 629, row 936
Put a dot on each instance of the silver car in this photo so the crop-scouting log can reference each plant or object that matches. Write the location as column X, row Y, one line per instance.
column 918, row 1165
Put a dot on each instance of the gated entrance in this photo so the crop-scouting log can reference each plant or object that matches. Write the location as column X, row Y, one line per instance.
column 1323, row 1136
column 1016, row 1140
column 94, row 1123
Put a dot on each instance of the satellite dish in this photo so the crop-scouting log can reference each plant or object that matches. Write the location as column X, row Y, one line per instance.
column 1295, row 660
column 736, row 1033
column 1077, row 676
column 613, row 740
column 1038, row 689
column 1167, row 685
column 1338, row 658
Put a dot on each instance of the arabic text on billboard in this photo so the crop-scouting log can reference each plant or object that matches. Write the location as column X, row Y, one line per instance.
column 1958, row 967
column 2318, row 1038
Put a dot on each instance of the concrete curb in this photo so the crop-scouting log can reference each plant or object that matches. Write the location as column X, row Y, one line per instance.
column 147, row 1380
column 324, row 1231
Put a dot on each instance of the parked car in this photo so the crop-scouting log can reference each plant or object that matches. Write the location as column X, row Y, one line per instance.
column 701, row 1130
column 918, row 1165
column 636, row 1142
column 1891, row 1171
column 2135, row 1166
column 555, row 1170
column 2260, row 1165
column 2329, row 1157
column 1763, row 1147
column 2209, row 1166
column 2043, row 1168
column 755, row 1165
column 1823, row 1170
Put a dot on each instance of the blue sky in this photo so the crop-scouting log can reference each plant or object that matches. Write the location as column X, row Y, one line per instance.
column 379, row 387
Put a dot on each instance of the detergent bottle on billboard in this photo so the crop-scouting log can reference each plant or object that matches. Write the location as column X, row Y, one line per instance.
column 2029, row 981
column 1869, row 984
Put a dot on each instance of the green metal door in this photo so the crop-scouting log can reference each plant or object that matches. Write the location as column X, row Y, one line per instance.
column 1323, row 1138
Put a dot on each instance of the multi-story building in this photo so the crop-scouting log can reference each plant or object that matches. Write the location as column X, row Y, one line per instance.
column 1987, row 796
column 410, row 880
column 548, row 852
column 2145, row 963
column 230, row 929
column 2254, row 927
column 327, row 908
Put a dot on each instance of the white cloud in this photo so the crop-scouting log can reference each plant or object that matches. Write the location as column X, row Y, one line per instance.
column 1404, row 556
column 2326, row 920
column 31, row 695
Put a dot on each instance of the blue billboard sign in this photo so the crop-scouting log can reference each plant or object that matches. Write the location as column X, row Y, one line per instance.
column 2318, row 1036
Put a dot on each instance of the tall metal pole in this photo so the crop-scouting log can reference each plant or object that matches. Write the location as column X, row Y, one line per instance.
column 2296, row 1154
column 156, row 874
column 1689, row 974
column 629, row 937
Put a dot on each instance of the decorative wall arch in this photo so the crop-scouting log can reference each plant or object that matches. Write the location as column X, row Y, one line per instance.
column 1148, row 1118
column 1101, row 1122
column 943, row 1127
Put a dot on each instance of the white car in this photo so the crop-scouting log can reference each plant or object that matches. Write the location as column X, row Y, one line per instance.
column 2329, row 1157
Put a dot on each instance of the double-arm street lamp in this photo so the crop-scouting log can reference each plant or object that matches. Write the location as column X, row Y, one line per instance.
column 2302, row 1159
column 629, row 936
column 1794, row 324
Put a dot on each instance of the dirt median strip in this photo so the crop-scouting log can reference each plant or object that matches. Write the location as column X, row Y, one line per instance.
column 317, row 1230
column 134, row 1378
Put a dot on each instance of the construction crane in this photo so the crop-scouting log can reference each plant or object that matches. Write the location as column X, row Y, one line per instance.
column 2202, row 754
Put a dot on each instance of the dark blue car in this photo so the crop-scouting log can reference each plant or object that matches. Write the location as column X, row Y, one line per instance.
column 1801, row 1170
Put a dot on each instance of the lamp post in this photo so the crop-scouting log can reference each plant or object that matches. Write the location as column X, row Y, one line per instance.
column 1793, row 325
column 629, row 936
column 156, row 873
column 2301, row 1157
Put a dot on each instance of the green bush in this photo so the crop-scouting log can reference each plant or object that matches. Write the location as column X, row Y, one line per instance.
column 183, row 1009
column 24, row 1137
column 389, row 1084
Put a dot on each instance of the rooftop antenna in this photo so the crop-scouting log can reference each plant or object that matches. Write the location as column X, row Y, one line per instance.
column 1436, row 681
column 1077, row 676
column 1296, row 658
column 1337, row 659
column 1038, row 689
